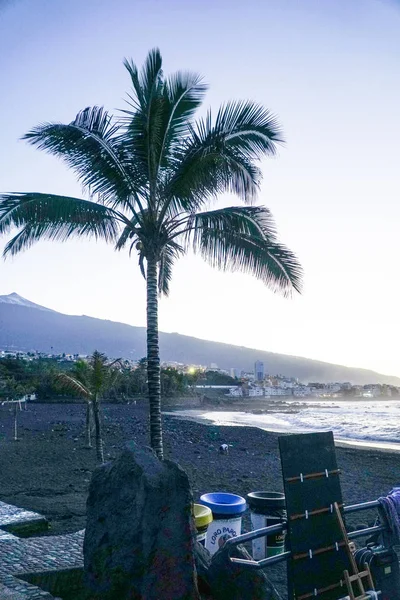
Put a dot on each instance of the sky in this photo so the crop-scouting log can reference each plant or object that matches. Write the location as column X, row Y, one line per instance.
column 328, row 69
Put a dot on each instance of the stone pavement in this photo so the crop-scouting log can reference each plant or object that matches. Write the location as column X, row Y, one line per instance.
column 39, row 554
column 20, row 557
column 12, row 588
column 4, row 535
column 19, row 520
column 8, row 594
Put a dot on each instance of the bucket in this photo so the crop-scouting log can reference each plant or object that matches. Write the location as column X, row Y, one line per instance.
column 227, row 512
column 202, row 519
column 266, row 509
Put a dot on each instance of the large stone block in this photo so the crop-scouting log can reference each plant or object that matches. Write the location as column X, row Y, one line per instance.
column 139, row 536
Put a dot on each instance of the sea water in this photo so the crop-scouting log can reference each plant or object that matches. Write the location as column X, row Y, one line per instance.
column 372, row 423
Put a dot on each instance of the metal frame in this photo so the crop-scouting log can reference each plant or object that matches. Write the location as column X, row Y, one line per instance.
column 264, row 531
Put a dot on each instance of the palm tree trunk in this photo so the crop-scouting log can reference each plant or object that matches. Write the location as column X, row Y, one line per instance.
column 88, row 428
column 97, row 422
column 153, row 359
column 16, row 421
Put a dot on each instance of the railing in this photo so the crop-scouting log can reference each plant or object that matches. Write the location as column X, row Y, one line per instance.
column 264, row 531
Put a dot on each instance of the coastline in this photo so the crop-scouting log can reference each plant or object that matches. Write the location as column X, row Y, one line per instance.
column 281, row 417
column 367, row 445
column 339, row 443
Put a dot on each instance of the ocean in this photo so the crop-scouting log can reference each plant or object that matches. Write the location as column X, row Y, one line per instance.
column 371, row 423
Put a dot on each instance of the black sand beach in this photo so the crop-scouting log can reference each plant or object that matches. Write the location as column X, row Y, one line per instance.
column 48, row 469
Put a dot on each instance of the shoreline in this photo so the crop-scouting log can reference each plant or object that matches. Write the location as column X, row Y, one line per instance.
column 359, row 444
column 364, row 446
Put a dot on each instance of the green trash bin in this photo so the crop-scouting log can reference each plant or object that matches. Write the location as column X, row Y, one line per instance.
column 266, row 509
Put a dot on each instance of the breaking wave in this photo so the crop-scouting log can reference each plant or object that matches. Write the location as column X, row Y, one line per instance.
column 365, row 422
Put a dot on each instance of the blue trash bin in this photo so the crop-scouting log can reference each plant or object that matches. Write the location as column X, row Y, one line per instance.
column 227, row 510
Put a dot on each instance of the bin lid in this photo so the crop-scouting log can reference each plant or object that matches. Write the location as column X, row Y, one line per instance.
column 223, row 503
column 202, row 515
column 265, row 500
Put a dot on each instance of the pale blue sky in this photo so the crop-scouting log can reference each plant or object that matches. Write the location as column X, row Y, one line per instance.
column 330, row 71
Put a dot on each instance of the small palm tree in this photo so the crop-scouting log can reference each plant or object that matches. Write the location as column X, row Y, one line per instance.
column 151, row 175
column 80, row 375
column 90, row 381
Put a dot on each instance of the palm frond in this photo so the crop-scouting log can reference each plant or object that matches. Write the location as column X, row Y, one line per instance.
column 137, row 101
column 206, row 170
column 143, row 125
column 218, row 157
column 160, row 112
column 90, row 145
column 81, row 371
column 71, row 384
column 254, row 221
column 151, row 74
column 171, row 252
column 244, row 239
column 249, row 127
column 129, row 232
column 141, row 263
column 99, row 375
column 184, row 92
column 51, row 217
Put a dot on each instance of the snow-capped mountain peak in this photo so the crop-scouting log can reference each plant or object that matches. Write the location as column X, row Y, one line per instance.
column 15, row 298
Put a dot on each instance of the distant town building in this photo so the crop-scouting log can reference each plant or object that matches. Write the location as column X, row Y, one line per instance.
column 235, row 392
column 256, row 391
column 252, row 384
column 276, row 391
column 247, row 375
column 259, row 370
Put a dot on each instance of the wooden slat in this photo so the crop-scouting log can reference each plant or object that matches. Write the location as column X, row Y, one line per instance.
column 318, row 511
column 302, row 477
column 319, row 551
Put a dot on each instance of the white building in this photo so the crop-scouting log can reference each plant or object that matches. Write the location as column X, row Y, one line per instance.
column 256, row 392
column 372, row 391
column 302, row 391
column 333, row 387
column 346, row 385
column 276, row 391
column 235, row 392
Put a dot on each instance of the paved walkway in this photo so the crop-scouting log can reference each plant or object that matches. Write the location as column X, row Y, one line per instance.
column 12, row 588
column 16, row 519
column 27, row 556
column 21, row 556
column 4, row 535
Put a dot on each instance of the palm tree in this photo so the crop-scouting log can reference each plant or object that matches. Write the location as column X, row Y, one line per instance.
column 80, row 375
column 90, row 381
column 151, row 175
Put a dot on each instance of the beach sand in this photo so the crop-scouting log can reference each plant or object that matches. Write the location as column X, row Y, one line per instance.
column 48, row 469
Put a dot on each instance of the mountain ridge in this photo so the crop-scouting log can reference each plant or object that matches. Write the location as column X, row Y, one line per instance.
column 26, row 326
